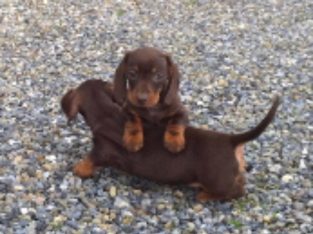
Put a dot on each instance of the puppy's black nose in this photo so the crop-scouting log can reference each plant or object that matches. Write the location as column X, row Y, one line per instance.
column 142, row 98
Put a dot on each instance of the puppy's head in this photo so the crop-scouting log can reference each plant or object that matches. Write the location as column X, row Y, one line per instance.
column 146, row 77
column 70, row 104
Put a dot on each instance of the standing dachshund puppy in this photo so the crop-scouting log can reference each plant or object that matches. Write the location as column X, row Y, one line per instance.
column 147, row 80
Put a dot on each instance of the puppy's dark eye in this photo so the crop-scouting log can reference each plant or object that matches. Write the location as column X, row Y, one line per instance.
column 132, row 76
column 158, row 77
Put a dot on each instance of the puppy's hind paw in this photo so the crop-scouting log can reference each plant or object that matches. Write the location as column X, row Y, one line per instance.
column 84, row 168
column 203, row 196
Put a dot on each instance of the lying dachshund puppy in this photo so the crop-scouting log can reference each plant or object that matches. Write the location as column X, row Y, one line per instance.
column 147, row 81
column 211, row 160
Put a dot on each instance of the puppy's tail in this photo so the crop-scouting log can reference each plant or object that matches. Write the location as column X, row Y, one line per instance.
column 255, row 132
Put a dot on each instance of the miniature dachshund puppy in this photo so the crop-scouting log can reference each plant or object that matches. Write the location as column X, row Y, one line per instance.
column 147, row 82
column 212, row 161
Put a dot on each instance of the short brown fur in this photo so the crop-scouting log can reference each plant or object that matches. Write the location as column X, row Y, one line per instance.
column 174, row 138
column 133, row 135
column 147, row 82
column 210, row 160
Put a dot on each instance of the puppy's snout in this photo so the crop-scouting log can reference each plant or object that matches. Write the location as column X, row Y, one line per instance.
column 142, row 98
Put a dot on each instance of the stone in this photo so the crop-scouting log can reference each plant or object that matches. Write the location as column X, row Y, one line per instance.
column 287, row 178
column 24, row 210
column 113, row 191
column 121, row 203
column 191, row 226
column 128, row 217
column 310, row 204
column 198, row 208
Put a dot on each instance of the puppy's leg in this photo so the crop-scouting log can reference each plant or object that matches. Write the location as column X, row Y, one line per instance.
column 174, row 137
column 84, row 168
column 235, row 189
column 238, row 189
column 133, row 134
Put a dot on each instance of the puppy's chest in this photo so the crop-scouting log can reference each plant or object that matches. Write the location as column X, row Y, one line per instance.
column 155, row 115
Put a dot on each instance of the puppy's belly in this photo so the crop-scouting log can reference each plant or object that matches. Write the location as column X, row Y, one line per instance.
column 163, row 169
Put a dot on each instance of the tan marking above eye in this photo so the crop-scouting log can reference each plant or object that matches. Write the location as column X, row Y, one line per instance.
column 154, row 70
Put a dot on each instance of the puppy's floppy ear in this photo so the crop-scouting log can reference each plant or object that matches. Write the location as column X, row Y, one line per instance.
column 173, row 81
column 70, row 104
column 119, row 89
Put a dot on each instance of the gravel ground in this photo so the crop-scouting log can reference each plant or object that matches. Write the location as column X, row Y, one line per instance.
column 234, row 56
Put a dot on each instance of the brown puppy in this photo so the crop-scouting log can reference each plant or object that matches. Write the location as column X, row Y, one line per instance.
column 148, row 81
column 211, row 160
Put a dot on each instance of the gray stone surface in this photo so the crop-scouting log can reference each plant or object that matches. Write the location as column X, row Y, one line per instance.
column 233, row 56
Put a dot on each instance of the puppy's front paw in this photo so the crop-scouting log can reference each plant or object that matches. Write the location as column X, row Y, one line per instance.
column 174, row 141
column 84, row 168
column 133, row 140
